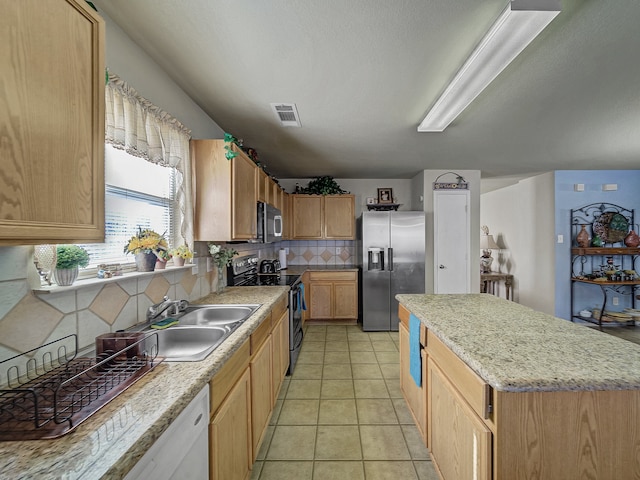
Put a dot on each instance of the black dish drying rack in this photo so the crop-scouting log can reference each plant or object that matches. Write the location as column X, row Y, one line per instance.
column 48, row 391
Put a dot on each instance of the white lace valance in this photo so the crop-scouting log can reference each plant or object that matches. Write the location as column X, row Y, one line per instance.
column 140, row 128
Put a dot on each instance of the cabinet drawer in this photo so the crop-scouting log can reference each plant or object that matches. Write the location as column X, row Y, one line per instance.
column 260, row 334
column 278, row 309
column 403, row 314
column 227, row 376
column 473, row 389
column 333, row 276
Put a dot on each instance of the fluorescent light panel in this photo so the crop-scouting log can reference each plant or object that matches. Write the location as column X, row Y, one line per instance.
column 516, row 27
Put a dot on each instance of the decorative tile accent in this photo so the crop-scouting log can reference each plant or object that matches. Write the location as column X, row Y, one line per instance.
column 109, row 302
column 308, row 255
column 28, row 324
column 188, row 281
column 345, row 254
column 128, row 316
column 11, row 293
column 157, row 288
column 326, row 255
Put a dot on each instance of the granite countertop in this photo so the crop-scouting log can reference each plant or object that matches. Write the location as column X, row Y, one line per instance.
column 109, row 443
column 517, row 349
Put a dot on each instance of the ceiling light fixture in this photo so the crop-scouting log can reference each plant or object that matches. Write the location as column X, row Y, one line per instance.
column 514, row 29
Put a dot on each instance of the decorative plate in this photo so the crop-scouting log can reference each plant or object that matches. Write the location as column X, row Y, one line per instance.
column 611, row 227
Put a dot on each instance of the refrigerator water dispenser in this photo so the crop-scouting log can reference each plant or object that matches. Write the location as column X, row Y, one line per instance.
column 376, row 259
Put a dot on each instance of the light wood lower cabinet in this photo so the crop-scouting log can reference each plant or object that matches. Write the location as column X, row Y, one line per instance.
column 280, row 360
column 458, row 439
column 477, row 432
column 416, row 397
column 230, row 450
column 333, row 295
column 261, row 393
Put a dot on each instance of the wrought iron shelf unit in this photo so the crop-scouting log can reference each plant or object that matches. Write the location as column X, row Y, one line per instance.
column 610, row 268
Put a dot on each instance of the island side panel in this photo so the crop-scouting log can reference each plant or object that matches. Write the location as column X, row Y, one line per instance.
column 568, row 435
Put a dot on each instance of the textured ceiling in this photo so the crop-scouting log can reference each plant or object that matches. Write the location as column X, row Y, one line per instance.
column 363, row 73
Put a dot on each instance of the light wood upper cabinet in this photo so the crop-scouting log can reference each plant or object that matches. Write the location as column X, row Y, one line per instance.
column 225, row 193
column 339, row 217
column 323, row 217
column 52, row 123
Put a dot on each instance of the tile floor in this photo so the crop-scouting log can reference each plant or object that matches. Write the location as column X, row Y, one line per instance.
column 341, row 414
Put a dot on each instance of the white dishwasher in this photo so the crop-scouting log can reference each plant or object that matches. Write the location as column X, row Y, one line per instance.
column 182, row 451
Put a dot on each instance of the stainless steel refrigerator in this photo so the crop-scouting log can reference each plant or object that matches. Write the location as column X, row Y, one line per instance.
column 392, row 252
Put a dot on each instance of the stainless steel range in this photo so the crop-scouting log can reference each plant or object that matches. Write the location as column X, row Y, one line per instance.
column 245, row 271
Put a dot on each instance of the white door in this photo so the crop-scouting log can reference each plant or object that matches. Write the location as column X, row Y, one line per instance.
column 451, row 242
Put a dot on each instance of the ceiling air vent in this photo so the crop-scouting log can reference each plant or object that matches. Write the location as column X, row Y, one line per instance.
column 287, row 114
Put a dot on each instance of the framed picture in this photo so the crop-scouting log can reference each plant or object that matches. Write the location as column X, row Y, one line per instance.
column 371, row 201
column 385, row 195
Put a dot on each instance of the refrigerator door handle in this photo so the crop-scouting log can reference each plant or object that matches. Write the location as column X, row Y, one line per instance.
column 390, row 256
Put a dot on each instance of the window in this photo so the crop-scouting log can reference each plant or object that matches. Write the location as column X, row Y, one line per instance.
column 137, row 194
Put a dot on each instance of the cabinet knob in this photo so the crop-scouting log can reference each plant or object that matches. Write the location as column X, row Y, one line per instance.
column 442, row 267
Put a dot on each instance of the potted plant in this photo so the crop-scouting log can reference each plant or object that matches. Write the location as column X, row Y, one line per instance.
column 222, row 257
column 68, row 259
column 163, row 257
column 181, row 254
column 146, row 245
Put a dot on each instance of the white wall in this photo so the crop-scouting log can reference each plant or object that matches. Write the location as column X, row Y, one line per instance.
column 521, row 219
column 135, row 67
column 425, row 180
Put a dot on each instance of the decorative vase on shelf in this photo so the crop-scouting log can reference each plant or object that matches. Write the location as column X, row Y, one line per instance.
column 178, row 261
column 160, row 265
column 632, row 240
column 220, row 283
column 65, row 276
column 582, row 239
column 146, row 262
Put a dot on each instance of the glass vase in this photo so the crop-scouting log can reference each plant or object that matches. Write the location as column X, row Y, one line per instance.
column 220, row 283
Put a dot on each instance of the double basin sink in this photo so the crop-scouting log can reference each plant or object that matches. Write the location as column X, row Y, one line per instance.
column 200, row 330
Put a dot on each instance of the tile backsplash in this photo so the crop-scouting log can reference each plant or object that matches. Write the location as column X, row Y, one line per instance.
column 28, row 319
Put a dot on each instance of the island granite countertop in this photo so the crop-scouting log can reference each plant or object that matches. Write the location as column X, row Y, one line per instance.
column 517, row 349
column 109, row 443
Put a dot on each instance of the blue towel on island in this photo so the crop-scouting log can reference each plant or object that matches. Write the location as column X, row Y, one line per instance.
column 415, row 360
column 301, row 303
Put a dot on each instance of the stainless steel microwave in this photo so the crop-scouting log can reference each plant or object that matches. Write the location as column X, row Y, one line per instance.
column 269, row 223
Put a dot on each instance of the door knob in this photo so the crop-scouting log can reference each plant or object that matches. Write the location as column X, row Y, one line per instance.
column 442, row 267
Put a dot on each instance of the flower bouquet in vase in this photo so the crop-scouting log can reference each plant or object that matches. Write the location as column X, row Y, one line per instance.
column 221, row 257
column 147, row 246
column 181, row 255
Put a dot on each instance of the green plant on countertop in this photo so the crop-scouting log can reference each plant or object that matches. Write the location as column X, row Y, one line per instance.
column 323, row 186
column 71, row 256
column 221, row 256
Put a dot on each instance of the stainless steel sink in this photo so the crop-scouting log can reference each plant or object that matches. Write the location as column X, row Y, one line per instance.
column 201, row 329
column 186, row 344
column 215, row 315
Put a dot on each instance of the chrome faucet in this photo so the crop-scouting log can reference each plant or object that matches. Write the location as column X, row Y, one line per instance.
column 171, row 307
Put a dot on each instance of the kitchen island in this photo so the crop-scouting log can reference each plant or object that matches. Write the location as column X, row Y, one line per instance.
column 109, row 444
column 508, row 392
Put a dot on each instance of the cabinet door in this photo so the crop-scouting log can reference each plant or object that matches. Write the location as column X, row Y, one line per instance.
column 345, row 300
column 230, row 434
column 52, row 123
column 244, row 198
column 280, row 352
column 307, row 216
column 261, row 186
column 320, row 298
column 261, row 393
column 460, row 443
column 416, row 397
column 286, row 216
column 339, row 217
